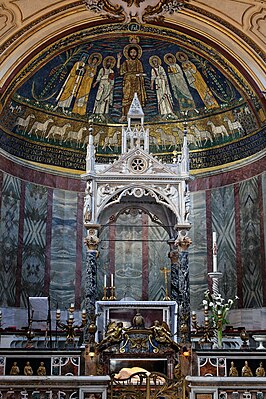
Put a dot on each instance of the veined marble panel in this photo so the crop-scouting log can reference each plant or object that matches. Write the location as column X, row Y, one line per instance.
column 128, row 256
column 34, row 241
column 223, row 223
column 9, row 227
column 102, row 262
column 263, row 180
column 158, row 257
column 198, row 250
column 250, row 243
column 63, row 248
column 251, row 319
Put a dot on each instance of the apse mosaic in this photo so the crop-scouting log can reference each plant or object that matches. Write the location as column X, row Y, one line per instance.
column 180, row 84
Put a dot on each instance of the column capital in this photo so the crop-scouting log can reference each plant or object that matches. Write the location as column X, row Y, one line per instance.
column 92, row 240
column 214, row 275
column 95, row 226
column 182, row 241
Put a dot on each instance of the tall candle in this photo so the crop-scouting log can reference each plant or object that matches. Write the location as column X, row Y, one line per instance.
column 214, row 252
column 112, row 280
column 104, row 281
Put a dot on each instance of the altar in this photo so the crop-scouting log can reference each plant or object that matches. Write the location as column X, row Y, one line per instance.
column 125, row 311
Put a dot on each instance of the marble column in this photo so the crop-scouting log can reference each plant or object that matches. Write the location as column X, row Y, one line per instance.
column 91, row 242
column 182, row 244
column 174, row 257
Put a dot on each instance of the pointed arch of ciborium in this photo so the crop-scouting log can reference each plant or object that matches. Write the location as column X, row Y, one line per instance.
column 139, row 195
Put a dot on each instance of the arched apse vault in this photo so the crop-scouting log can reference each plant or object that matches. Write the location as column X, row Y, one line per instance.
column 221, row 102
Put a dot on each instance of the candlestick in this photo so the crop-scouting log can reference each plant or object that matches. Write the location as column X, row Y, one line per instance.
column 214, row 252
column 69, row 327
column 83, row 315
column 165, row 272
column 58, row 314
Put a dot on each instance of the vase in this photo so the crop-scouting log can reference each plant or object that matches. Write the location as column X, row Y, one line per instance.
column 219, row 338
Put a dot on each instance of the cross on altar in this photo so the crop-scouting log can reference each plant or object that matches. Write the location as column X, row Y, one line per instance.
column 165, row 271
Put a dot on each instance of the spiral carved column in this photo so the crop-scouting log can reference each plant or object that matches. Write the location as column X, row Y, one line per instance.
column 216, row 291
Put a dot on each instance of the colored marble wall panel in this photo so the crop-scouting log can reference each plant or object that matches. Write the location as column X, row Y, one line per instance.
column 34, row 242
column 250, row 240
column 63, row 248
column 263, row 184
column 223, row 223
column 198, row 250
column 262, row 206
column 158, row 257
column 10, row 206
column 128, row 256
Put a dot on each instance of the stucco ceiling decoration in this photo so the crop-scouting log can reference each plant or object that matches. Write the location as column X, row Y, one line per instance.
column 135, row 9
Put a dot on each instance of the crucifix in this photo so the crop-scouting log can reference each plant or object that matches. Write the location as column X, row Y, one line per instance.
column 165, row 271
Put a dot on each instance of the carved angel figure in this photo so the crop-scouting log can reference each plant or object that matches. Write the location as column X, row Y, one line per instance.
column 114, row 335
column 162, row 334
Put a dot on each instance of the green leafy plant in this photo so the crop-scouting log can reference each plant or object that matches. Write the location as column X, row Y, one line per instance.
column 218, row 308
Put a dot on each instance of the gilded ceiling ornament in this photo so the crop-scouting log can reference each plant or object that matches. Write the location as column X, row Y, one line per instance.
column 156, row 13
column 134, row 9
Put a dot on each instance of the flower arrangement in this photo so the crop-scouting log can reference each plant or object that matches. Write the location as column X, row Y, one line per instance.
column 219, row 310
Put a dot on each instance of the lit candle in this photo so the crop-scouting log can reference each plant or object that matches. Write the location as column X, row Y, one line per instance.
column 72, row 305
column 214, row 252
column 104, row 281
column 193, row 313
column 112, row 280
column 83, row 311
